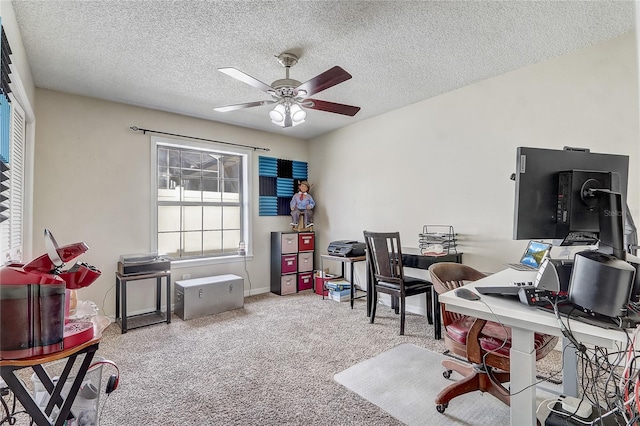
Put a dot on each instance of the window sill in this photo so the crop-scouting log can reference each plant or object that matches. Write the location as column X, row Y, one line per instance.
column 191, row 263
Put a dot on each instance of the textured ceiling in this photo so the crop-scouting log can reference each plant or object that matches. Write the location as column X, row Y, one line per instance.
column 165, row 54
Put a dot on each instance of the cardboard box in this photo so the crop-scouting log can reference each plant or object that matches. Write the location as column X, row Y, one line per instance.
column 340, row 296
column 338, row 284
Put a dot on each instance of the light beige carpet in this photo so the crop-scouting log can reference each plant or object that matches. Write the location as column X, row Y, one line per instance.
column 270, row 363
column 404, row 382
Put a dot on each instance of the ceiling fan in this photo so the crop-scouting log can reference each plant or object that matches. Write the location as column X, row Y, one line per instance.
column 291, row 96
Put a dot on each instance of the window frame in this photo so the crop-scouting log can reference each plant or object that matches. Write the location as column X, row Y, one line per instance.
column 245, row 180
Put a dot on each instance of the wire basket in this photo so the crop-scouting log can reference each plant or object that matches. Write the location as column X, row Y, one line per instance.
column 437, row 240
column 86, row 404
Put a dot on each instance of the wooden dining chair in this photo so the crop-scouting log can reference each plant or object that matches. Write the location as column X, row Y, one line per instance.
column 485, row 344
column 384, row 254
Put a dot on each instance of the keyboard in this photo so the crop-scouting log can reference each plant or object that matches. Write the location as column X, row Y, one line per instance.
column 521, row 267
column 510, row 289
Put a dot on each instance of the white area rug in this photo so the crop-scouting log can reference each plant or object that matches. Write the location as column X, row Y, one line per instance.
column 404, row 382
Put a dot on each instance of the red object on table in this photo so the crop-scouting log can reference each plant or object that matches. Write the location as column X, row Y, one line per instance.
column 76, row 333
column 32, row 300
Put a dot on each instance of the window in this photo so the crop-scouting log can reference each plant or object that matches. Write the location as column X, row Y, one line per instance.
column 201, row 199
column 12, row 186
column 16, row 161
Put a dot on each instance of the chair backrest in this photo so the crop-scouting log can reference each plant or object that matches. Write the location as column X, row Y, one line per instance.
column 450, row 275
column 385, row 256
column 447, row 276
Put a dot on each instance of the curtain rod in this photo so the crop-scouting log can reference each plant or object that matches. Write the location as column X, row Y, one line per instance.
column 144, row 131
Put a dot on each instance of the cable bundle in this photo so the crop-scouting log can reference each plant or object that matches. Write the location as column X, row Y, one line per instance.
column 609, row 381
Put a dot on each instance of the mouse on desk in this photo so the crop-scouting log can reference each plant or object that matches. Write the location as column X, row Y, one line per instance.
column 465, row 293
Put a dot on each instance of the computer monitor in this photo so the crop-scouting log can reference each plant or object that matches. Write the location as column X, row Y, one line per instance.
column 559, row 192
column 568, row 192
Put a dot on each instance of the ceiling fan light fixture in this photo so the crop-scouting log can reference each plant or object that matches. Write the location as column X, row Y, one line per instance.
column 289, row 96
column 297, row 114
column 277, row 115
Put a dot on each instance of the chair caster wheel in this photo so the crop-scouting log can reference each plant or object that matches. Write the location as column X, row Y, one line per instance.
column 441, row 408
column 447, row 374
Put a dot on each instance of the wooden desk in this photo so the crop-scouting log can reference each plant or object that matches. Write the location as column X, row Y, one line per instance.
column 524, row 321
column 344, row 260
column 8, row 368
column 413, row 258
column 145, row 319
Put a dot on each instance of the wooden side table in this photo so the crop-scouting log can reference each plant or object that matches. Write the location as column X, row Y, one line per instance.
column 63, row 401
column 344, row 260
column 149, row 318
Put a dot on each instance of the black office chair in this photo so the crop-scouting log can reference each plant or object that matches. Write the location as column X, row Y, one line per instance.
column 385, row 260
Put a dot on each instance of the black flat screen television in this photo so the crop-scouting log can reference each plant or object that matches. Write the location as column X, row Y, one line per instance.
column 539, row 212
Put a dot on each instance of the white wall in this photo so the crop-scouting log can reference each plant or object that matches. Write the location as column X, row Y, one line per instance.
column 93, row 175
column 447, row 160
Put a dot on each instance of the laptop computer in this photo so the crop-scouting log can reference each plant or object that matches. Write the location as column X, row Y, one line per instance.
column 535, row 258
column 532, row 257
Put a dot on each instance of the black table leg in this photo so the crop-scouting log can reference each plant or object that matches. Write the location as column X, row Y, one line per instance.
column 369, row 280
column 158, row 293
column 353, row 285
column 124, row 307
column 117, row 297
column 168, row 278
column 437, row 323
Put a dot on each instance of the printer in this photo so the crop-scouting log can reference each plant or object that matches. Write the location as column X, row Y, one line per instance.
column 346, row 248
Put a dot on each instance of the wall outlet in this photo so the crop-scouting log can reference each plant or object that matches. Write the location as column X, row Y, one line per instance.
column 186, row 276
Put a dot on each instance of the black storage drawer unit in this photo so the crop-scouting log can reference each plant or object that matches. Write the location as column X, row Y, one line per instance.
column 292, row 256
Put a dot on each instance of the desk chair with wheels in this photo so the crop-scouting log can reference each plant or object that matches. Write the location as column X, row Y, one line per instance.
column 385, row 261
column 485, row 344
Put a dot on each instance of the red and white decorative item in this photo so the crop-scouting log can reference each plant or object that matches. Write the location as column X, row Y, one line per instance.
column 33, row 304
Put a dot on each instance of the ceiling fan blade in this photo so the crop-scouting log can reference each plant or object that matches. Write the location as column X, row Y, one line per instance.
column 343, row 109
column 329, row 78
column 246, row 78
column 228, row 108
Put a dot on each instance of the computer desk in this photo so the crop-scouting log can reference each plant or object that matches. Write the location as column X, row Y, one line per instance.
column 524, row 321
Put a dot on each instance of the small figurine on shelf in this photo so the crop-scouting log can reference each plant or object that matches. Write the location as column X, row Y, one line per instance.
column 302, row 202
